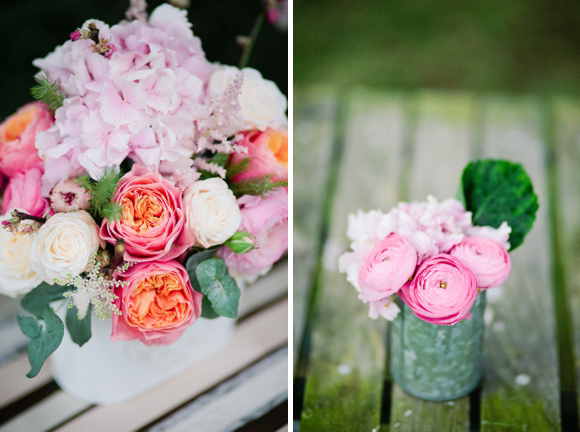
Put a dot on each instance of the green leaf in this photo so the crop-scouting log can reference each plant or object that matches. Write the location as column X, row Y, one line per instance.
column 191, row 265
column 233, row 169
column 219, row 287
column 29, row 326
column 79, row 329
column 39, row 299
column 497, row 191
column 47, row 331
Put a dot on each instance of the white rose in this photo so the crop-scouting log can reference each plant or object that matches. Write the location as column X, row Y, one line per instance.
column 16, row 274
column 64, row 245
column 262, row 104
column 212, row 214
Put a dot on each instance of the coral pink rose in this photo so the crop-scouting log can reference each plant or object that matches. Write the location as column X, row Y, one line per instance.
column 157, row 305
column 387, row 268
column 152, row 217
column 17, row 137
column 267, row 220
column 487, row 259
column 23, row 192
column 268, row 153
column 442, row 292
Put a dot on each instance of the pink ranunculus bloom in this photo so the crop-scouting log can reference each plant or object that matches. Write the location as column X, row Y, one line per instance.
column 487, row 259
column 17, row 135
column 152, row 217
column 387, row 268
column 266, row 219
column 268, row 153
column 442, row 291
column 157, row 305
column 24, row 192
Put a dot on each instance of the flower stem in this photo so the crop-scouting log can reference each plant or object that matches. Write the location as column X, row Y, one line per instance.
column 253, row 35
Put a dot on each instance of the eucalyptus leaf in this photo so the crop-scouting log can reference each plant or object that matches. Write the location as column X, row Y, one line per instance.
column 37, row 300
column 47, row 332
column 218, row 286
column 79, row 329
column 497, row 191
column 29, row 326
column 191, row 265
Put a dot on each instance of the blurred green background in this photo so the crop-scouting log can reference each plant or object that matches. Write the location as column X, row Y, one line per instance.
column 33, row 28
column 491, row 45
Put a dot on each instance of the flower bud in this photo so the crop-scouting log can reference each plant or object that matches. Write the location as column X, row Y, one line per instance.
column 241, row 242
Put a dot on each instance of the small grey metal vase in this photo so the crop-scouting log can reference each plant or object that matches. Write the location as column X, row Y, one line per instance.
column 436, row 362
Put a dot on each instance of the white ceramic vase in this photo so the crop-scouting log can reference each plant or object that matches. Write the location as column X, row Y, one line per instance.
column 105, row 372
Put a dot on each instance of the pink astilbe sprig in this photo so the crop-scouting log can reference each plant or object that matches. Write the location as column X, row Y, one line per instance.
column 203, row 164
column 185, row 178
column 218, row 130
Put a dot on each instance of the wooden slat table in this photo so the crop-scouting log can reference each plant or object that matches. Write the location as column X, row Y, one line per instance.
column 370, row 148
column 242, row 388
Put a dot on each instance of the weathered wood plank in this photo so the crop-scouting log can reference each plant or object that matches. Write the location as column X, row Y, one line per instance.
column 345, row 378
column 314, row 117
column 255, row 337
column 237, row 401
column 265, row 289
column 442, row 145
column 45, row 415
column 15, row 384
column 566, row 150
column 521, row 377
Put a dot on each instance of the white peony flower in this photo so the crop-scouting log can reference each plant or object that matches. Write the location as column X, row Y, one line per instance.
column 16, row 274
column 500, row 234
column 212, row 214
column 64, row 245
column 262, row 104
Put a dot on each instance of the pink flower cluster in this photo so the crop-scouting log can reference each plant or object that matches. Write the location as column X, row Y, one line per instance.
column 138, row 103
column 142, row 95
column 428, row 253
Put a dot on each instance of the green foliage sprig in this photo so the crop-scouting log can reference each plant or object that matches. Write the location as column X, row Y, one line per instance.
column 235, row 168
column 259, row 186
column 101, row 192
column 48, row 91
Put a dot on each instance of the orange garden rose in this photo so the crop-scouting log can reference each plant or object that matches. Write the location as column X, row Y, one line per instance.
column 152, row 218
column 17, row 136
column 268, row 153
column 157, row 305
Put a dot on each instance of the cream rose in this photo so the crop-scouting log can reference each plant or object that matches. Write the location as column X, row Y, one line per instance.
column 64, row 245
column 211, row 212
column 16, row 274
column 262, row 104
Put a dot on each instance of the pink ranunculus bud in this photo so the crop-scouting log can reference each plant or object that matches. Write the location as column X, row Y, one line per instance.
column 442, row 291
column 487, row 259
column 69, row 196
column 17, row 137
column 23, row 192
column 76, row 35
column 387, row 268
column 157, row 305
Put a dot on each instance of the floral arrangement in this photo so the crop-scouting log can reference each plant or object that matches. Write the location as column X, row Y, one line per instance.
column 438, row 256
column 142, row 183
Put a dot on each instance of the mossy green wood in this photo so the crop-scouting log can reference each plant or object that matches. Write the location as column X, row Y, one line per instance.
column 441, row 136
column 520, row 341
column 314, row 118
column 566, row 213
column 346, row 369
